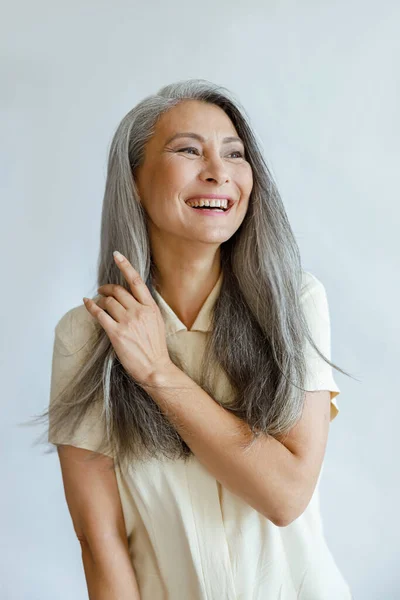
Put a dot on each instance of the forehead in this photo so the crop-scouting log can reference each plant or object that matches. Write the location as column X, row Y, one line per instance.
column 192, row 115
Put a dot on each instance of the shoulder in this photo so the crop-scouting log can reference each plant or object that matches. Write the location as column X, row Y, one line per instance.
column 314, row 300
column 75, row 327
column 311, row 287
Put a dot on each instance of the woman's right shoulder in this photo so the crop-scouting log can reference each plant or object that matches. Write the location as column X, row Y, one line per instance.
column 76, row 326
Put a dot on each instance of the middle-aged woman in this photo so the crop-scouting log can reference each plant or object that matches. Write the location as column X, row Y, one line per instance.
column 198, row 378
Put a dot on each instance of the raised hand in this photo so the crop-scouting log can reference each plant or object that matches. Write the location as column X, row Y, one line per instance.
column 134, row 324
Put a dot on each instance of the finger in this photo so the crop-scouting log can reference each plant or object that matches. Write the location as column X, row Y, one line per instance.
column 102, row 317
column 113, row 307
column 140, row 291
column 120, row 293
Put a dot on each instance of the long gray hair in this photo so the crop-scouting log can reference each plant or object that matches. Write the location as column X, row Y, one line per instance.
column 258, row 326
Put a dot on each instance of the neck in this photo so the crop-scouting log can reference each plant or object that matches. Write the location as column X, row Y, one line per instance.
column 185, row 280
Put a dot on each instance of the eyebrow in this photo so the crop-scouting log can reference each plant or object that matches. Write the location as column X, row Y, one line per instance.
column 196, row 136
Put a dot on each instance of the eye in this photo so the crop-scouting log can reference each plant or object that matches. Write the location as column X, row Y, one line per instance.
column 195, row 149
column 188, row 148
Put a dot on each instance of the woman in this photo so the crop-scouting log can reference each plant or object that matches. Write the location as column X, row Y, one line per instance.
column 199, row 377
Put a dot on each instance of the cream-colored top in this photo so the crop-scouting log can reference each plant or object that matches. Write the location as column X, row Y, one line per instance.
column 189, row 537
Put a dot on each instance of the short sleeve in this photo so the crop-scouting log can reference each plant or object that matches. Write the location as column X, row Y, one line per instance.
column 319, row 374
column 70, row 350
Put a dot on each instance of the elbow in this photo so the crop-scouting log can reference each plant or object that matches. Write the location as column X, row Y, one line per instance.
column 279, row 518
column 293, row 504
column 281, row 515
column 287, row 512
column 285, row 517
column 283, row 520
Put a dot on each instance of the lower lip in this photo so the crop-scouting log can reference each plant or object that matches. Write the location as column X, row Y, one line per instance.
column 211, row 212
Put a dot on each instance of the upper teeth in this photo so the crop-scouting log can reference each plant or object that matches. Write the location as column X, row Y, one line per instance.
column 223, row 203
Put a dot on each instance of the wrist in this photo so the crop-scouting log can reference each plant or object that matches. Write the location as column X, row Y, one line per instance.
column 160, row 376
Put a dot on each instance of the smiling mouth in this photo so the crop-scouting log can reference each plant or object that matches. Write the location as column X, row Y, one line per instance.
column 224, row 207
column 210, row 211
column 210, row 208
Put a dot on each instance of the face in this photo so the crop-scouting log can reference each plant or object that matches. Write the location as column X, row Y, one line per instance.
column 175, row 170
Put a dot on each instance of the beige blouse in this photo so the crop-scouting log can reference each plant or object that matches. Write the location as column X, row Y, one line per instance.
column 189, row 537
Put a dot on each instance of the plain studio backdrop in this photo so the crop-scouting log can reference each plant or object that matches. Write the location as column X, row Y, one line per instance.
column 320, row 81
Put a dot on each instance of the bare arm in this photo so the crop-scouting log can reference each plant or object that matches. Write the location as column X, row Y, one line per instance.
column 92, row 495
column 275, row 477
column 109, row 572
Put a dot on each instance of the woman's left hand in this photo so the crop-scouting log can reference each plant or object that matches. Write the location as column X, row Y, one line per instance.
column 134, row 325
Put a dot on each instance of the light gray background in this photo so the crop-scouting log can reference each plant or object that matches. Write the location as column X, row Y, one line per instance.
column 320, row 81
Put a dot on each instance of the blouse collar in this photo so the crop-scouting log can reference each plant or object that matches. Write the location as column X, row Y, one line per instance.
column 203, row 320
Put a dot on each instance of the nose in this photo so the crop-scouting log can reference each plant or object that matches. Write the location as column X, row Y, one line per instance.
column 215, row 170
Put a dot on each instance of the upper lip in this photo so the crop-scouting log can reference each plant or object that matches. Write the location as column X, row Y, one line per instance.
column 213, row 197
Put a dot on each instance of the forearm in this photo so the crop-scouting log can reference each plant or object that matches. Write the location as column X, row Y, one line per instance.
column 109, row 572
column 266, row 475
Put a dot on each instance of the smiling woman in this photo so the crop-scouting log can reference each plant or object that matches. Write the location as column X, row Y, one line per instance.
column 200, row 373
column 175, row 173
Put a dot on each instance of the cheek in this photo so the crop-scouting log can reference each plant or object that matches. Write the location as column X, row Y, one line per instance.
column 180, row 172
column 161, row 185
column 245, row 182
column 163, row 198
column 173, row 178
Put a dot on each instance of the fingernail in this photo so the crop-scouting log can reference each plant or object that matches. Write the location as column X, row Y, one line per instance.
column 118, row 256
